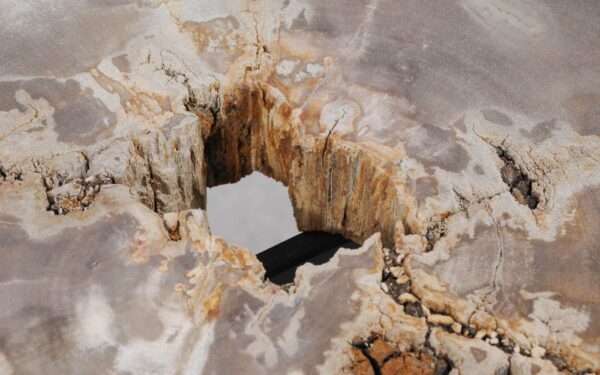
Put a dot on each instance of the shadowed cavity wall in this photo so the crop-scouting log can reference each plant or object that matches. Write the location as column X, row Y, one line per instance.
column 335, row 185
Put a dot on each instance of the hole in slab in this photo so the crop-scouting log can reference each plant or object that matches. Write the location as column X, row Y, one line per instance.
column 255, row 212
column 334, row 187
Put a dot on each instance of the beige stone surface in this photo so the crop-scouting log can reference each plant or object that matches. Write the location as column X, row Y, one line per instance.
column 457, row 142
column 469, row 356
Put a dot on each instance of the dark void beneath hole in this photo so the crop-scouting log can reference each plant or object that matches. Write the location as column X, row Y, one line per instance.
column 282, row 260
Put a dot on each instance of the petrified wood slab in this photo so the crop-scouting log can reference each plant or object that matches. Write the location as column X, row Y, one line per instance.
column 458, row 143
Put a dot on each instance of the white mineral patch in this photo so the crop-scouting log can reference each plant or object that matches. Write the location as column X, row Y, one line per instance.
column 95, row 320
column 286, row 67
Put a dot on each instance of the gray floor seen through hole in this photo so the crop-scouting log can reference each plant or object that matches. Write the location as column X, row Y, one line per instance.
column 255, row 212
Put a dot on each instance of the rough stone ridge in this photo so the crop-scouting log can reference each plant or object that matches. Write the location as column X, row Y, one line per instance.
column 458, row 143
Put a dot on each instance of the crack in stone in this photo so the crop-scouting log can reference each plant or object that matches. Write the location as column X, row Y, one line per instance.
column 384, row 358
column 36, row 115
column 326, row 143
column 519, row 183
column 500, row 258
column 364, row 348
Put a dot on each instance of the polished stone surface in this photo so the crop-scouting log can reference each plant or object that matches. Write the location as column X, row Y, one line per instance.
column 465, row 133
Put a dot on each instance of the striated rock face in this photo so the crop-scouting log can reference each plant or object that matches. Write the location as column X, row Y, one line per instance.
column 458, row 143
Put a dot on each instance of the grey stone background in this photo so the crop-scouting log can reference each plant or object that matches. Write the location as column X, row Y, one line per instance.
column 255, row 212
